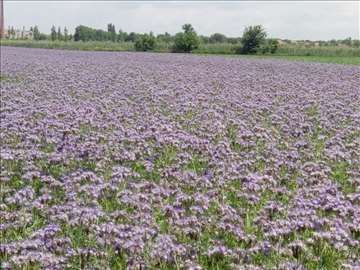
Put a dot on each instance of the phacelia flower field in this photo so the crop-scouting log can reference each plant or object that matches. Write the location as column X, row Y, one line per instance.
column 170, row 161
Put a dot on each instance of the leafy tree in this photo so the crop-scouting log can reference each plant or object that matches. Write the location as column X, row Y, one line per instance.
column 273, row 45
column 356, row 43
column 204, row 39
column 121, row 37
column 253, row 38
column 167, row 38
column 186, row 41
column 233, row 40
column 11, row 32
column 36, row 32
column 269, row 46
column 131, row 37
column 333, row 42
column 53, row 34
column 43, row 36
column 101, row 35
column 84, row 33
column 145, row 42
column 59, row 34
column 112, row 32
column 66, row 34
column 188, row 28
column 217, row 38
column 347, row 41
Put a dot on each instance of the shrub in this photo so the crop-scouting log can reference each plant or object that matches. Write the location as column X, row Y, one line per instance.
column 270, row 46
column 253, row 38
column 217, row 38
column 145, row 42
column 186, row 41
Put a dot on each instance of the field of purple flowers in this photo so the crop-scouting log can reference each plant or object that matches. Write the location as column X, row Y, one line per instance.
column 163, row 161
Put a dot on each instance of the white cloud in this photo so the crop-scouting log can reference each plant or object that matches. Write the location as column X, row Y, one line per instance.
column 293, row 20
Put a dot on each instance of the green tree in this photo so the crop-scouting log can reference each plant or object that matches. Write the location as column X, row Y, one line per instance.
column 356, row 43
column 66, row 34
column 84, row 33
column 347, row 41
column 145, row 42
column 36, row 33
column 53, row 34
column 111, row 31
column 121, row 37
column 59, row 34
column 131, row 37
column 186, row 41
column 269, row 46
column 273, row 44
column 204, row 39
column 217, row 38
column 166, row 37
column 253, row 38
column 43, row 36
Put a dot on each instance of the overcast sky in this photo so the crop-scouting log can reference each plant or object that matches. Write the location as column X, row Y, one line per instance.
column 292, row 20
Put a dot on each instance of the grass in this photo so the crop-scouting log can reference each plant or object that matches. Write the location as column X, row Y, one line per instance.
column 328, row 54
column 11, row 79
column 71, row 45
column 344, row 60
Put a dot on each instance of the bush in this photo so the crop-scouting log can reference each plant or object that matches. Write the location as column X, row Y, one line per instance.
column 217, row 38
column 186, row 41
column 253, row 38
column 270, row 46
column 145, row 42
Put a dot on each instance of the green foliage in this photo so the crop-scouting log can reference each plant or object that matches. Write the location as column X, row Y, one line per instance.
column 18, row 233
column 217, row 38
column 270, row 46
column 196, row 164
column 253, row 38
column 112, row 32
column 36, row 33
column 121, row 37
column 328, row 51
column 84, row 33
column 167, row 38
column 59, row 34
column 339, row 174
column 145, row 42
column 131, row 37
column 66, row 34
column 186, row 41
column 53, row 33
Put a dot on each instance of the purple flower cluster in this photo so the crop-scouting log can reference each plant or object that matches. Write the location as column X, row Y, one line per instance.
column 163, row 161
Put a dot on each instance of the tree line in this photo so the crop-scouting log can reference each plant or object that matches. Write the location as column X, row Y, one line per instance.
column 253, row 40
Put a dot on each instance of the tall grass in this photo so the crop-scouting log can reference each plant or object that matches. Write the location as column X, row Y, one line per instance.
column 217, row 48
column 72, row 45
column 337, row 51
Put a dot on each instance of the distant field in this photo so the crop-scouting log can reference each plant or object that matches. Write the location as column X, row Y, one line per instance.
column 338, row 55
